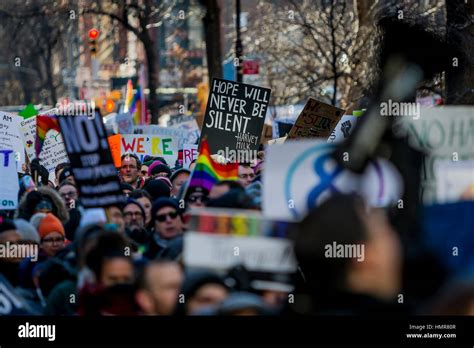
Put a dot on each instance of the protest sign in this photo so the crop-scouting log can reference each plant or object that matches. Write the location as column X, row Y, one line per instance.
column 10, row 137
column 181, row 135
column 190, row 153
column 445, row 133
column 235, row 115
column 53, row 151
column 454, row 180
column 220, row 239
column 152, row 145
column 343, row 129
column 316, row 120
column 9, row 180
column 91, row 161
column 267, row 133
column 300, row 175
column 124, row 123
column 277, row 140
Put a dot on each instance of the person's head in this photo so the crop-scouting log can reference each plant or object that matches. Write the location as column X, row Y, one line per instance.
column 129, row 168
column 126, row 188
column 9, row 234
column 115, row 216
column 157, row 169
column 28, row 233
column 69, row 194
column 222, row 187
column 66, row 176
column 144, row 171
column 178, row 179
column 134, row 214
column 167, row 217
column 52, row 234
column 110, row 261
column 203, row 289
column 144, row 198
column 158, row 287
column 358, row 253
column 196, row 197
column 157, row 189
column 246, row 175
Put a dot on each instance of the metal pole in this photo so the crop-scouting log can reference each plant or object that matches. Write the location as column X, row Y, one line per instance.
column 238, row 42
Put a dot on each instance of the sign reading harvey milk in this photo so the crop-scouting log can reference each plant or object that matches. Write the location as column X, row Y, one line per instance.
column 235, row 115
column 9, row 180
column 317, row 120
column 91, row 161
column 152, row 145
column 445, row 133
column 301, row 175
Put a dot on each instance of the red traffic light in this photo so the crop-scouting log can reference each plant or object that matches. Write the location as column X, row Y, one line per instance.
column 93, row 34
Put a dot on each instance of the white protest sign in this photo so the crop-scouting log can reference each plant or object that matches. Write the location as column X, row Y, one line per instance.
column 301, row 174
column 152, row 145
column 163, row 132
column 53, row 151
column 454, row 180
column 192, row 130
column 10, row 137
column 9, row 186
column 446, row 133
column 190, row 153
column 343, row 129
column 124, row 123
column 264, row 254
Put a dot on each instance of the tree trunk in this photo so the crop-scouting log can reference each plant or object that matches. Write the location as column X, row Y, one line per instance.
column 212, row 33
column 151, row 58
column 460, row 78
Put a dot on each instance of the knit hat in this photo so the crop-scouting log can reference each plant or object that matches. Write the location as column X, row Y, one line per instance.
column 36, row 219
column 67, row 172
column 50, row 224
column 159, row 167
column 165, row 180
column 179, row 171
column 157, row 189
column 134, row 201
column 164, row 202
column 26, row 230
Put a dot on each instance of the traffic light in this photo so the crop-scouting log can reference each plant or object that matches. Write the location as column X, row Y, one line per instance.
column 93, row 35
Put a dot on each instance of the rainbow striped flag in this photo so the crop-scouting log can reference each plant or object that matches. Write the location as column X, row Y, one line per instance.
column 128, row 96
column 207, row 172
column 136, row 106
column 43, row 125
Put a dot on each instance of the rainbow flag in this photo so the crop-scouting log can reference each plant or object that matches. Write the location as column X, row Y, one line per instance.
column 136, row 106
column 207, row 172
column 128, row 96
column 43, row 125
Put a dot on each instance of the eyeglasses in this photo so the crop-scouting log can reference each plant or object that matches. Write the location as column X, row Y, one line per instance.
column 133, row 213
column 162, row 217
column 69, row 194
column 245, row 176
column 200, row 198
column 162, row 174
column 53, row 240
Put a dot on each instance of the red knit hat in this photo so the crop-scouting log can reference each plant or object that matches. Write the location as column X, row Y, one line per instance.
column 49, row 224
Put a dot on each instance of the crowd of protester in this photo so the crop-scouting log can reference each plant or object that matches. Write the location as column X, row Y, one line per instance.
column 128, row 259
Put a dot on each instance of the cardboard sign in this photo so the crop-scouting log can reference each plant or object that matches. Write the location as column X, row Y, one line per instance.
column 267, row 133
column 317, row 120
column 190, row 153
column 180, row 135
column 91, row 161
column 454, row 180
column 10, row 137
column 277, row 141
column 300, row 175
column 53, row 151
column 445, row 133
column 9, row 186
column 235, row 115
column 222, row 238
column 152, row 145
column 343, row 129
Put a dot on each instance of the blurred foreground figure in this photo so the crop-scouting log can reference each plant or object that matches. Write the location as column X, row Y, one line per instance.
column 351, row 259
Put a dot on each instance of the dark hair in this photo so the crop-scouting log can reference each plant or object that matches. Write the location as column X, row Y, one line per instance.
column 59, row 167
column 136, row 194
column 66, row 183
column 339, row 220
column 139, row 164
column 233, row 184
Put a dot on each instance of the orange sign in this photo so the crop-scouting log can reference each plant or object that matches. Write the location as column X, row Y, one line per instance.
column 114, row 144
